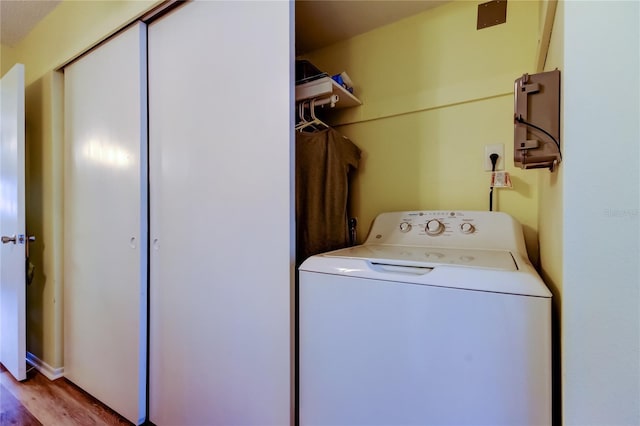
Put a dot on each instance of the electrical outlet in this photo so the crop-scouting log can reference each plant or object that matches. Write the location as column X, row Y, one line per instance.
column 497, row 148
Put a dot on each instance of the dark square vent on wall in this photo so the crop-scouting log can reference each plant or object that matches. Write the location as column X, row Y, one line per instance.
column 492, row 13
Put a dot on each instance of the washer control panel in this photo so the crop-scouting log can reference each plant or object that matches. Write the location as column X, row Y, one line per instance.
column 473, row 229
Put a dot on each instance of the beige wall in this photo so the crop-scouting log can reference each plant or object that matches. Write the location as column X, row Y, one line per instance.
column 550, row 183
column 435, row 91
column 550, row 213
column 70, row 29
column 6, row 58
column 44, row 216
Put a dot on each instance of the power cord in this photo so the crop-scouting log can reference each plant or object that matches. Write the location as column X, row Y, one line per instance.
column 526, row 123
column 494, row 160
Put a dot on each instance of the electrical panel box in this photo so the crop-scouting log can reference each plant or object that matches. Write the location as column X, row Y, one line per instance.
column 537, row 121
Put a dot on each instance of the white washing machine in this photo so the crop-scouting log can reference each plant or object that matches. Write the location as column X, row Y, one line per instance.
column 437, row 319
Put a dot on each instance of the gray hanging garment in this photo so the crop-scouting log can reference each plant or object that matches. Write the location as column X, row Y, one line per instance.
column 324, row 160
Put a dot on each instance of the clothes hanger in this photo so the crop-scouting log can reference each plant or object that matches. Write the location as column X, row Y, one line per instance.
column 301, row 116
column 315, row 121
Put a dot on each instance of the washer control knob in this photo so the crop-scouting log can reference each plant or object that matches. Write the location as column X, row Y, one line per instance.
column 467, row 228
column 405, row 227
column 434, row 227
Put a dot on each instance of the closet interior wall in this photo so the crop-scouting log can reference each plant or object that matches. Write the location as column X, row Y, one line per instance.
column 435, row 90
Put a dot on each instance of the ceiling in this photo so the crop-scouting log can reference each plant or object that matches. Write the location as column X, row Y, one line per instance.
column 18, row 17
column 319, row 23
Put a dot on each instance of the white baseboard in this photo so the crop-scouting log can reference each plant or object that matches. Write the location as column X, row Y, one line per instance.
column 48, row 371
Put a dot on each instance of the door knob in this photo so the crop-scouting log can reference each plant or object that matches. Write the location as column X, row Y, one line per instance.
column 6, row 240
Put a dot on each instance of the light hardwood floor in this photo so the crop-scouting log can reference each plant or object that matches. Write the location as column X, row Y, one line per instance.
column 40, row 401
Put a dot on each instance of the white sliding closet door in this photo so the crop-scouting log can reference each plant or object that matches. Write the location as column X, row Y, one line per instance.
column 220, row 212
column 105, row 223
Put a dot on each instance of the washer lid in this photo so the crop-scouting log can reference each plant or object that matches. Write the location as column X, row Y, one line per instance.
column 429, row 257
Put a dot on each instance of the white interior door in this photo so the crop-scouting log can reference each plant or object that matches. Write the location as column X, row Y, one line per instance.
column 105, row 223
column 220, row 204
column 12, row 225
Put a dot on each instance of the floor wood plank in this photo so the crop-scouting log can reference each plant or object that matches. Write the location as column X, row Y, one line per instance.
column 57, row 402
column 12, row 412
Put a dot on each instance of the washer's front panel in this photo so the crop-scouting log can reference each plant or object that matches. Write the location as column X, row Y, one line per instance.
column 374, row 352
